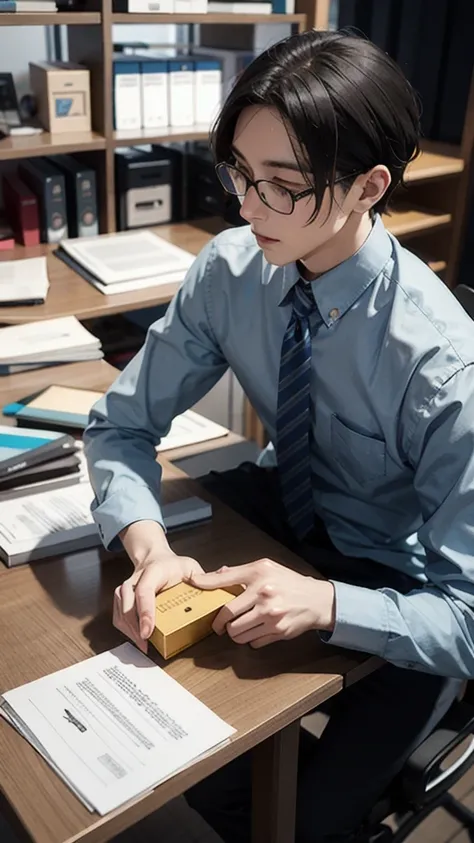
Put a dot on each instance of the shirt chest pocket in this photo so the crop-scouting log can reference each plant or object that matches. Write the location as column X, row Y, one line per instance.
column 361, row 456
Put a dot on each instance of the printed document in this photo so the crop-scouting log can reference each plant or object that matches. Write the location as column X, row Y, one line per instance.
column 114, row 726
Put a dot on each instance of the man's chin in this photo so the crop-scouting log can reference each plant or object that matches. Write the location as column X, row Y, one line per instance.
column 278, row 254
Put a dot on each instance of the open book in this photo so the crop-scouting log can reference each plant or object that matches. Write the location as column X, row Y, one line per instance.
column 114, row 726
column 130, row 260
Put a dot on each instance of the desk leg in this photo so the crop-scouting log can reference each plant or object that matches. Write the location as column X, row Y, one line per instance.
column 274, row 774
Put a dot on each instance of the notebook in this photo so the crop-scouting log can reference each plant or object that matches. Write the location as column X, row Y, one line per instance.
column 48, row 407
column 22, row 449
column 23, row 282
column 62, row 340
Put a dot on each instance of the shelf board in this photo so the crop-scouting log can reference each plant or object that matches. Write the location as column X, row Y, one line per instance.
column 71, row 295
column 29, row 146
column 431, row 164
column 437, row 266
column 49, row 18
column 166, row 135
column 406, row 221
column 221, row 17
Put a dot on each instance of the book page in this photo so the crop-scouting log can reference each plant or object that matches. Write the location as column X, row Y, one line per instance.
column 116, row 725
column 127, row 256
column 45, row 517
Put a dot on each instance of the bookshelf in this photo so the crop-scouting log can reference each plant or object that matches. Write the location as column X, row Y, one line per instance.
column 430, row 214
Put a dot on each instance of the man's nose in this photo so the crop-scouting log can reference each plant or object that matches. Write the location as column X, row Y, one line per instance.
column 252, row 206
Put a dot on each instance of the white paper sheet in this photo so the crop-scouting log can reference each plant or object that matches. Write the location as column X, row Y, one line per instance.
column 190, row 428
column 116, row 725
column 23, row 280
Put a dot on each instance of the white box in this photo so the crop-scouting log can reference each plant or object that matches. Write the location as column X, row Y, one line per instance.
column 207, row 90
column 190, row 7
column 181, row 92
column 151, row 6
column 154, row 93
column 127, row 94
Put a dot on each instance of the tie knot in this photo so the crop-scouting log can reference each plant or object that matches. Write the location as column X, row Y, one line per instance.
column 303, row 299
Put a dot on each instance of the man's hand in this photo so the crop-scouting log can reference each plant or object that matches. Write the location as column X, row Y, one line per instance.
column 277, row 603
column 134, row 600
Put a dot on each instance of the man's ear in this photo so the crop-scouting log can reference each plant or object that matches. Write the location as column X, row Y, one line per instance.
column 372, row 186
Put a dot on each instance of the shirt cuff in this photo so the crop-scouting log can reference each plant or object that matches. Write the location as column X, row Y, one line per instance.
column 124, row 507
column 361, row 620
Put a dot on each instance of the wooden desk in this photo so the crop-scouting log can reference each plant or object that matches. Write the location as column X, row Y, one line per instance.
column 93, row 374
column 71, row 295
column 55, row 613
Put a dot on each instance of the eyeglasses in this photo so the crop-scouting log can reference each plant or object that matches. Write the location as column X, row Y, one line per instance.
column 274, row 196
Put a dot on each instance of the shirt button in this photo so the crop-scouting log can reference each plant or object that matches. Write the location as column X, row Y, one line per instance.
column 334, row 313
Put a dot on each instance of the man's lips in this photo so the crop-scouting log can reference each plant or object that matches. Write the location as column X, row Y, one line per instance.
column 264, row 238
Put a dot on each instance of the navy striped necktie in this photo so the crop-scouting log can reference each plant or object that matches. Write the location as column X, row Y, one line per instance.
column 294, row 411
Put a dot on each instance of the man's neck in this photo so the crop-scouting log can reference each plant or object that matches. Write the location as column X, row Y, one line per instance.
column 338, row 249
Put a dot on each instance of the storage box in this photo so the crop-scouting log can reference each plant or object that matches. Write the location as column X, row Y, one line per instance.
column 184, row 615
column 62, row 91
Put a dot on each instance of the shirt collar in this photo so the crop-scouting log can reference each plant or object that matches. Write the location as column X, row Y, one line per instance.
column 337, row 290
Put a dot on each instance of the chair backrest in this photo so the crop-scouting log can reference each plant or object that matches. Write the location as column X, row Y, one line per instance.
column 465, row 296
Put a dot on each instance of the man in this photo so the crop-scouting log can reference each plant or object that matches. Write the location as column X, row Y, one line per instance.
column 359, row 362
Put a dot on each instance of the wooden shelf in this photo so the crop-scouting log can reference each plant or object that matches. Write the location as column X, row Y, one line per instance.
column 406, row 221
column 29, row 146
column 433, row 165
column 71, row 295
column 49, row 18
column 215, row 18
column 437, row 266
column 166, row 135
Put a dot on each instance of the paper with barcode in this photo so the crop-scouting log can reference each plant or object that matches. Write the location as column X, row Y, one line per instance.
column 115, row 725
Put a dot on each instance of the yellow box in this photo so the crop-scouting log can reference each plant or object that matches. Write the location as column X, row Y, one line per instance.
column 62, row 91
column 184, row 615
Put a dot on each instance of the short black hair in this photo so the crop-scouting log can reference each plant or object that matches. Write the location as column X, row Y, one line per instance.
column 346, row 101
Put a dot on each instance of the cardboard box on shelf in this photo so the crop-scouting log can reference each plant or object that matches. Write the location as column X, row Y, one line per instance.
column 62, row 90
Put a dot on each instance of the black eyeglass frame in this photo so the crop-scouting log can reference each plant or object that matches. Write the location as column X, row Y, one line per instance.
column 295, row 197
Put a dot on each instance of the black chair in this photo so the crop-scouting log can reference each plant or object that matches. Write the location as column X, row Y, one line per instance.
column 427, row 777
column 441, row 760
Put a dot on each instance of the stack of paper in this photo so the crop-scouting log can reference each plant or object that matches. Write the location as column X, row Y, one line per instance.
column 131, row 260
column 113, row 727
column 23, row 282
column 56, row 522
column 46, row 343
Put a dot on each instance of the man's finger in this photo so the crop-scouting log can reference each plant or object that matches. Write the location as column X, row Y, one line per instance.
column 122, row 621
column 244, row 622
column 264, row 641
column 238, row 606
column 130, row 615
column 239, row 575
column 151, row 581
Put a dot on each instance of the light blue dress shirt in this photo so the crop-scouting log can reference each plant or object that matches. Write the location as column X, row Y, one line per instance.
column 393, row 426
